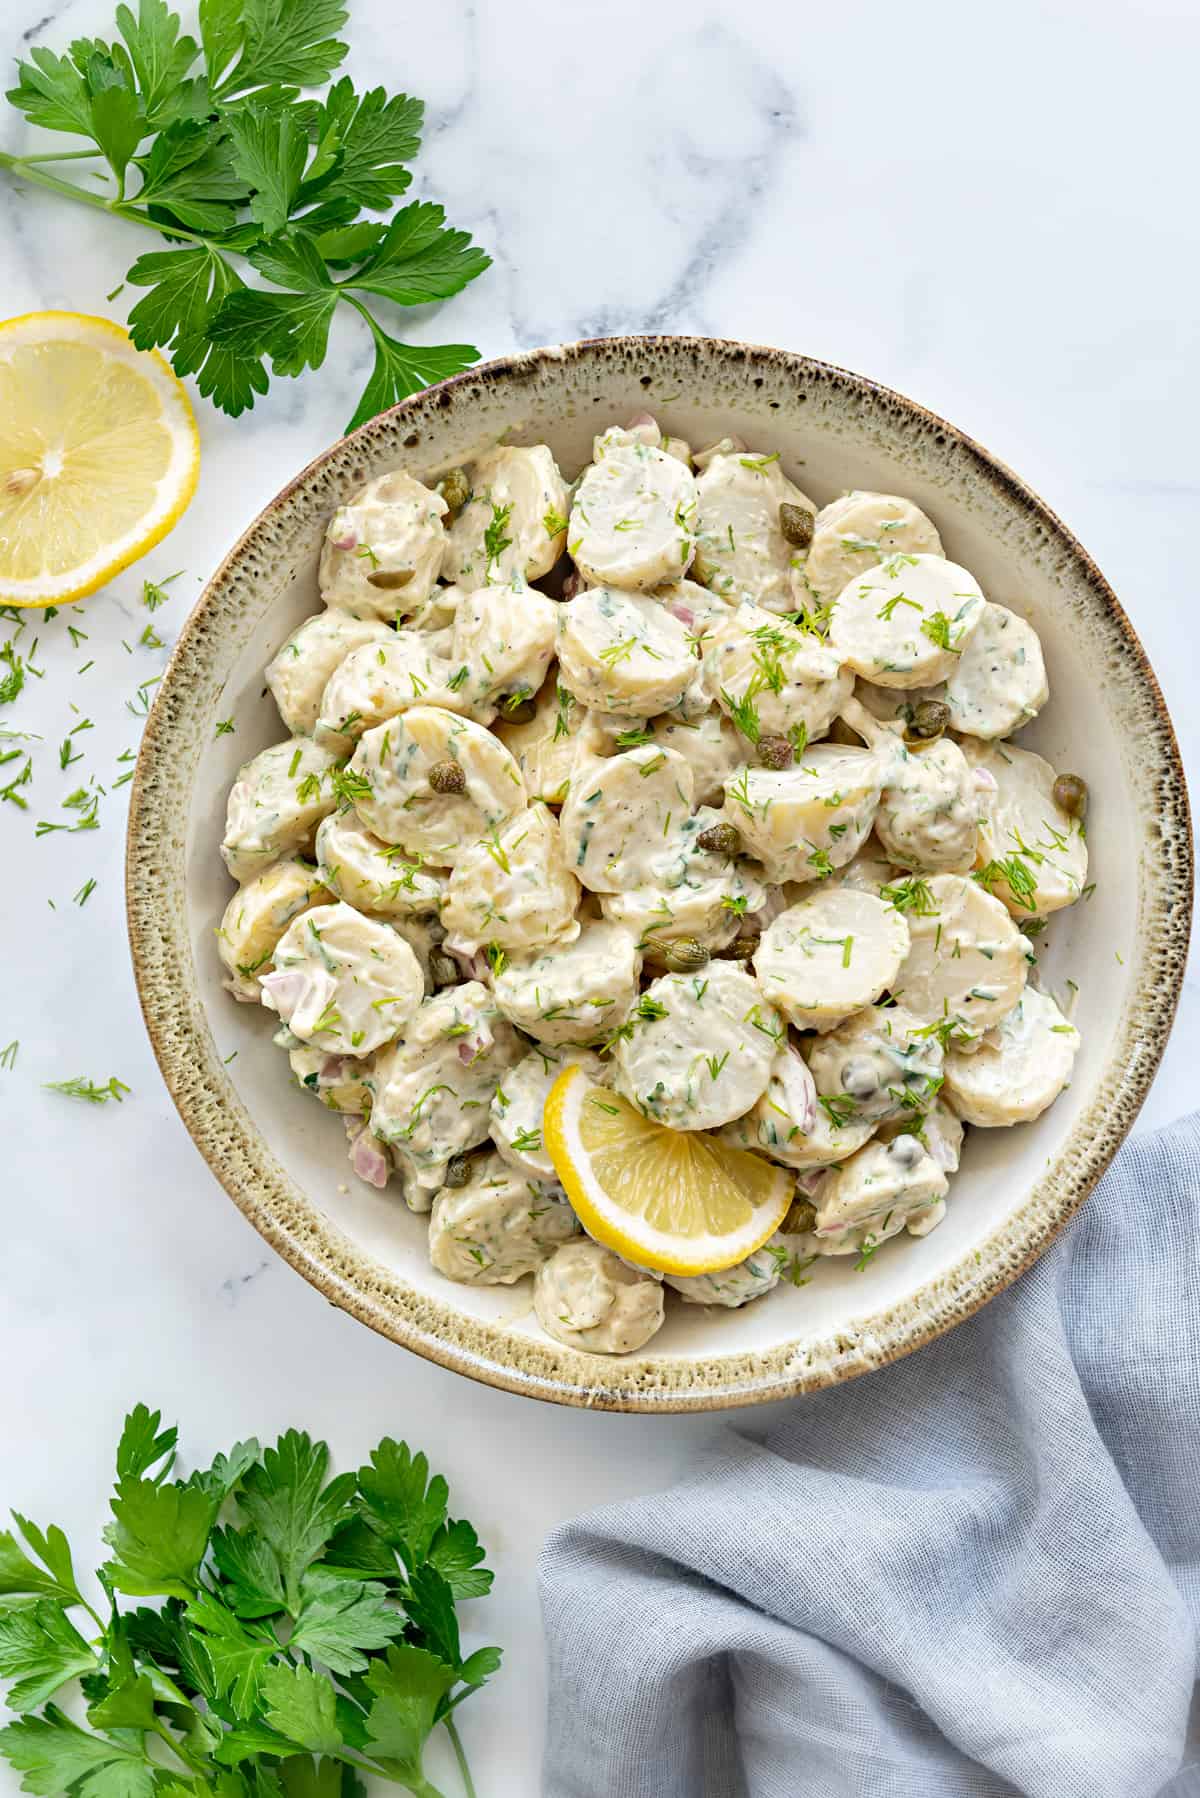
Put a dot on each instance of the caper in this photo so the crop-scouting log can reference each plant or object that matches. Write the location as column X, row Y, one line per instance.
column 930, row 717
column 390, row 578
column 801, row 1218
column 458, row 1170
column 518, row 707
column 447, row 777
column 722, row 838
column 860, row 1077
column 1071, row 795
column 455, row 489
column 775, row 752
column 742, row 947
column 443, row 970
column 796, row 523
column 906, row 1150
column 685, row 954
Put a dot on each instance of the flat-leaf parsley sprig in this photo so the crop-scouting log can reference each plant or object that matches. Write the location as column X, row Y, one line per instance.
column 211, row 145
column 306, row 1632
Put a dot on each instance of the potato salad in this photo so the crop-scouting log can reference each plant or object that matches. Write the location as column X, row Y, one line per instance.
column 657, row 776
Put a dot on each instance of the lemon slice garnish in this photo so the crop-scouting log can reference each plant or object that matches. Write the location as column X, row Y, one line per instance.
column 677, row 1201
column 99, row 455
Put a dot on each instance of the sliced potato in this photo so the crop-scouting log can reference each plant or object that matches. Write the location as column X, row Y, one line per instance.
column 1019, row 1068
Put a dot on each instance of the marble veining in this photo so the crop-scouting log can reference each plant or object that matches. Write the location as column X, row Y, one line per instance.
column 934, row 202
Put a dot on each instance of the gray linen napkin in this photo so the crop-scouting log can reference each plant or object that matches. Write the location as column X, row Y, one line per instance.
column 972, row 1573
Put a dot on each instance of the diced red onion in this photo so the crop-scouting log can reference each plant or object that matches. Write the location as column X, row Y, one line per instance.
column 283, row 991
column 369, row 1161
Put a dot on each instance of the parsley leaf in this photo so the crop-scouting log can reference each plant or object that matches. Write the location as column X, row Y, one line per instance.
column 188, row 286
column 295, row 1512
column 374, row 137
column 142, row 1444
column 340, row 1618
column 55, row 1755
column 42, row 1644
column 400, row 1501
column 211, row 141
column 407, row 1689
column 456, row 1554
column 404, row 368
column 159, row 1534
column 269, row 152
column 253, row 43
column 161, row 60
column 20, row 1576
column 418, row 260
column 301, row 1705
column 250, row 1700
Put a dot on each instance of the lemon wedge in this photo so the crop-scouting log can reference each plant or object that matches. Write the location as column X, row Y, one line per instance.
column 99, row 455
column 676, row 1201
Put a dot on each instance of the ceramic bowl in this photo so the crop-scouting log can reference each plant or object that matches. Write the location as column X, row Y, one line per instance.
column 281, row 1158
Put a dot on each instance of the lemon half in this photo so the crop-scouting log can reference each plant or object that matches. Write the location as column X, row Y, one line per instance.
column 99, row 455
column 677, row 1201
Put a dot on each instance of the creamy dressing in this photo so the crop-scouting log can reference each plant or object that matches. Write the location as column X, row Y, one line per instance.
column 877, row 1064
column 620, row 813
column 499, row 1227
column 752, row 1278
column 378, row 681
column 882, row 1189
column 930, row 808
column 257, row 916
column 830, row 955
column 301, row 669
column 585, row 1298
column 503, row 643
column 1019, row 1068
column 383, row 552
column 772, row 680
column 633, row 517
column 519, row 1104
column 906, row 622
column 1031, row 854
column 855, row 533
column 623, row 652
column 805, row 821
column 577, row 994
column 396, row 800
column 275, row 805
column 513, row 890
column 433, row 1089
column 741, row 550
column 545, row 748
column 629, row 812
column 1000, row 681
column 374, row 876
column 343, row 981
column 968, row 962
column 513, row 524
column 697, row 1049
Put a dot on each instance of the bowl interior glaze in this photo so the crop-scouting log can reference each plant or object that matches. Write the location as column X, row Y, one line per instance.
column 282, row 1158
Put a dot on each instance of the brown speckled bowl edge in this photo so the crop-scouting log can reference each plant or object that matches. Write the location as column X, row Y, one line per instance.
column 231, row 1144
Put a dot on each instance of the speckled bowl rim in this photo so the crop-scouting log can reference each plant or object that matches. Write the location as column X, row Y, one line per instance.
column 310, row 1241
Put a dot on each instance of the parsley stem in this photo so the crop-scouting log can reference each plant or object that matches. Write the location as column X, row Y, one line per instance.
column 58, row 156
column 177, row 1749
column 23, row 166
column 460, row 1755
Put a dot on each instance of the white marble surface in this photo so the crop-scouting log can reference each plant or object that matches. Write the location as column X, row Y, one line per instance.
column 993, row 214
